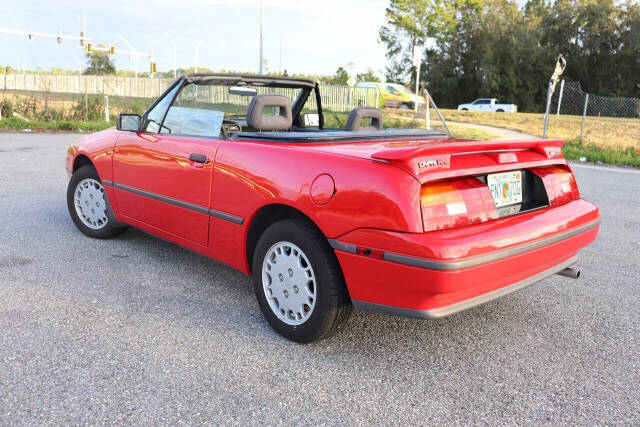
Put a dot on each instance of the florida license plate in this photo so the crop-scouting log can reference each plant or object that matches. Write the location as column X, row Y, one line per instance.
column 506, row 188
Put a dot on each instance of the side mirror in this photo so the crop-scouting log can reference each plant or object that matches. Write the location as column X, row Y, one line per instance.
column 129, row 122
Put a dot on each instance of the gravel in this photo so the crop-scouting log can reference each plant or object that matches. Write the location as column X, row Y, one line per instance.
column 138, row 330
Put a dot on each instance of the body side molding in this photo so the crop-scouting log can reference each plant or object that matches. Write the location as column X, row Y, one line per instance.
column 473, row 261
column 212, row 212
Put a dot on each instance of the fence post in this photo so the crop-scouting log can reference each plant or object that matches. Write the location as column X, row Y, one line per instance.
column 427, row 112
column 584, row 113
column 86, row 106
column 106, row 108
column 546, row 111
column 560, row 97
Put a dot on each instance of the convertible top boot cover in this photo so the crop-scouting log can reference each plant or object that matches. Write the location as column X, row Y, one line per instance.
column 257, row 120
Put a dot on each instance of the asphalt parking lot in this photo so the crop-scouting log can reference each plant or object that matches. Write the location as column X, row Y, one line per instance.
column 137, row 330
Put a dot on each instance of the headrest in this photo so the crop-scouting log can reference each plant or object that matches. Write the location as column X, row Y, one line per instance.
column 257, row 120
column 358, row 114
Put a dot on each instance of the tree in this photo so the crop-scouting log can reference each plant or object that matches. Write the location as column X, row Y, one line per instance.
column 411, row 22
column 369, row 75
column 340, row 77
column 493, row 48
column 99, row 62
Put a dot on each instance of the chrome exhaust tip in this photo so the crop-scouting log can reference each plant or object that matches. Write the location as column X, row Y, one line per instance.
column 571, row 272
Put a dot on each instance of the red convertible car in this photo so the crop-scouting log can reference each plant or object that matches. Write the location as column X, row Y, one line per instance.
column 245, row 170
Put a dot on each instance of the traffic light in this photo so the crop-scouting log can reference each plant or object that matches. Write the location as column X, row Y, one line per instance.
column 112, row 50
column 89, row 48
column 81, row 38
column 153, row 68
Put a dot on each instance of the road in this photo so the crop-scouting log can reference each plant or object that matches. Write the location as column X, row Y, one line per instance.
column 137, row 330
column 497, row 132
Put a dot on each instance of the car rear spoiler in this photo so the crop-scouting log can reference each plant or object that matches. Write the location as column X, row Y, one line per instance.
column 439, row 154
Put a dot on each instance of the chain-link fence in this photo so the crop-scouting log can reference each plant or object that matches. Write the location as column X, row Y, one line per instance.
column 603, row 120
column 570, row 99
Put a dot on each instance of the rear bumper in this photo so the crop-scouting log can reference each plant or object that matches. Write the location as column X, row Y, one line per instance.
column 466, row 266
column 436, row 313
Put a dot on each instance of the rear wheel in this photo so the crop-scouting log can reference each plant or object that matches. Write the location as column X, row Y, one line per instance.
column 499, row 110
column 298, row 282
column 465, row 109
column 89, row 206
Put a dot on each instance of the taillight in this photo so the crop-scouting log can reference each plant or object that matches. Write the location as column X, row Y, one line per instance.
column 453, row 203
column 560, row 184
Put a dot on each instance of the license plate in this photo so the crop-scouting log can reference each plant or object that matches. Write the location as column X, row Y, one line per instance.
column 506, row 188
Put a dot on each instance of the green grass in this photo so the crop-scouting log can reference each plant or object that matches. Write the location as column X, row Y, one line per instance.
column 629, row 156
column 469, row 133
column 15, row 123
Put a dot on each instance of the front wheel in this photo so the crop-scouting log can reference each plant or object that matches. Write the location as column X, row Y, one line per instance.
column 298, row 282
column 89, row 206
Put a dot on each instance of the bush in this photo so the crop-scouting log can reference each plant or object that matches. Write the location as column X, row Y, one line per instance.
column 27, row 106
column 92, row 109
column 6, row 108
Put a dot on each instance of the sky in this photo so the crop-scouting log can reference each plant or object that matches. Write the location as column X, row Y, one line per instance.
column 315, row 37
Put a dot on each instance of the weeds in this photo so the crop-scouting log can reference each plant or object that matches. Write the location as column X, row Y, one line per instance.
column 16, row 123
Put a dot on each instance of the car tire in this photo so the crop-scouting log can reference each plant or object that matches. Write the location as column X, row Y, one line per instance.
column 499, row 111
column 89, row 206
column 307, row 279
column 464, row 109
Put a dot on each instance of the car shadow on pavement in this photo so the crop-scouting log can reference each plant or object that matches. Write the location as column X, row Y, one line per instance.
column 207, row 288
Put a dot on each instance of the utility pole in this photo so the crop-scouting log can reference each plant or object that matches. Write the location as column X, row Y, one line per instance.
column 151, row 64
column 197, row 52
column 261, row 35
column 280, row 57
column 417, row 60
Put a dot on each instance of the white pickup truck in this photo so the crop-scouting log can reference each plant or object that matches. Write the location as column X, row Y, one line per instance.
column 488, row 104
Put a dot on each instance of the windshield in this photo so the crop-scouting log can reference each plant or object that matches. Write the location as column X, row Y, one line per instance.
column 403, row 89
column 218, row 97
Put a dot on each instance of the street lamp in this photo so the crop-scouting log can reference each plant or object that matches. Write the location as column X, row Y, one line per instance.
column 77, row 62
column 79, row 71
column 261, row 36
column 135, row 58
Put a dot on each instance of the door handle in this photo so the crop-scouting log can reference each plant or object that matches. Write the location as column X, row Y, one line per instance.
column 198, row 158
